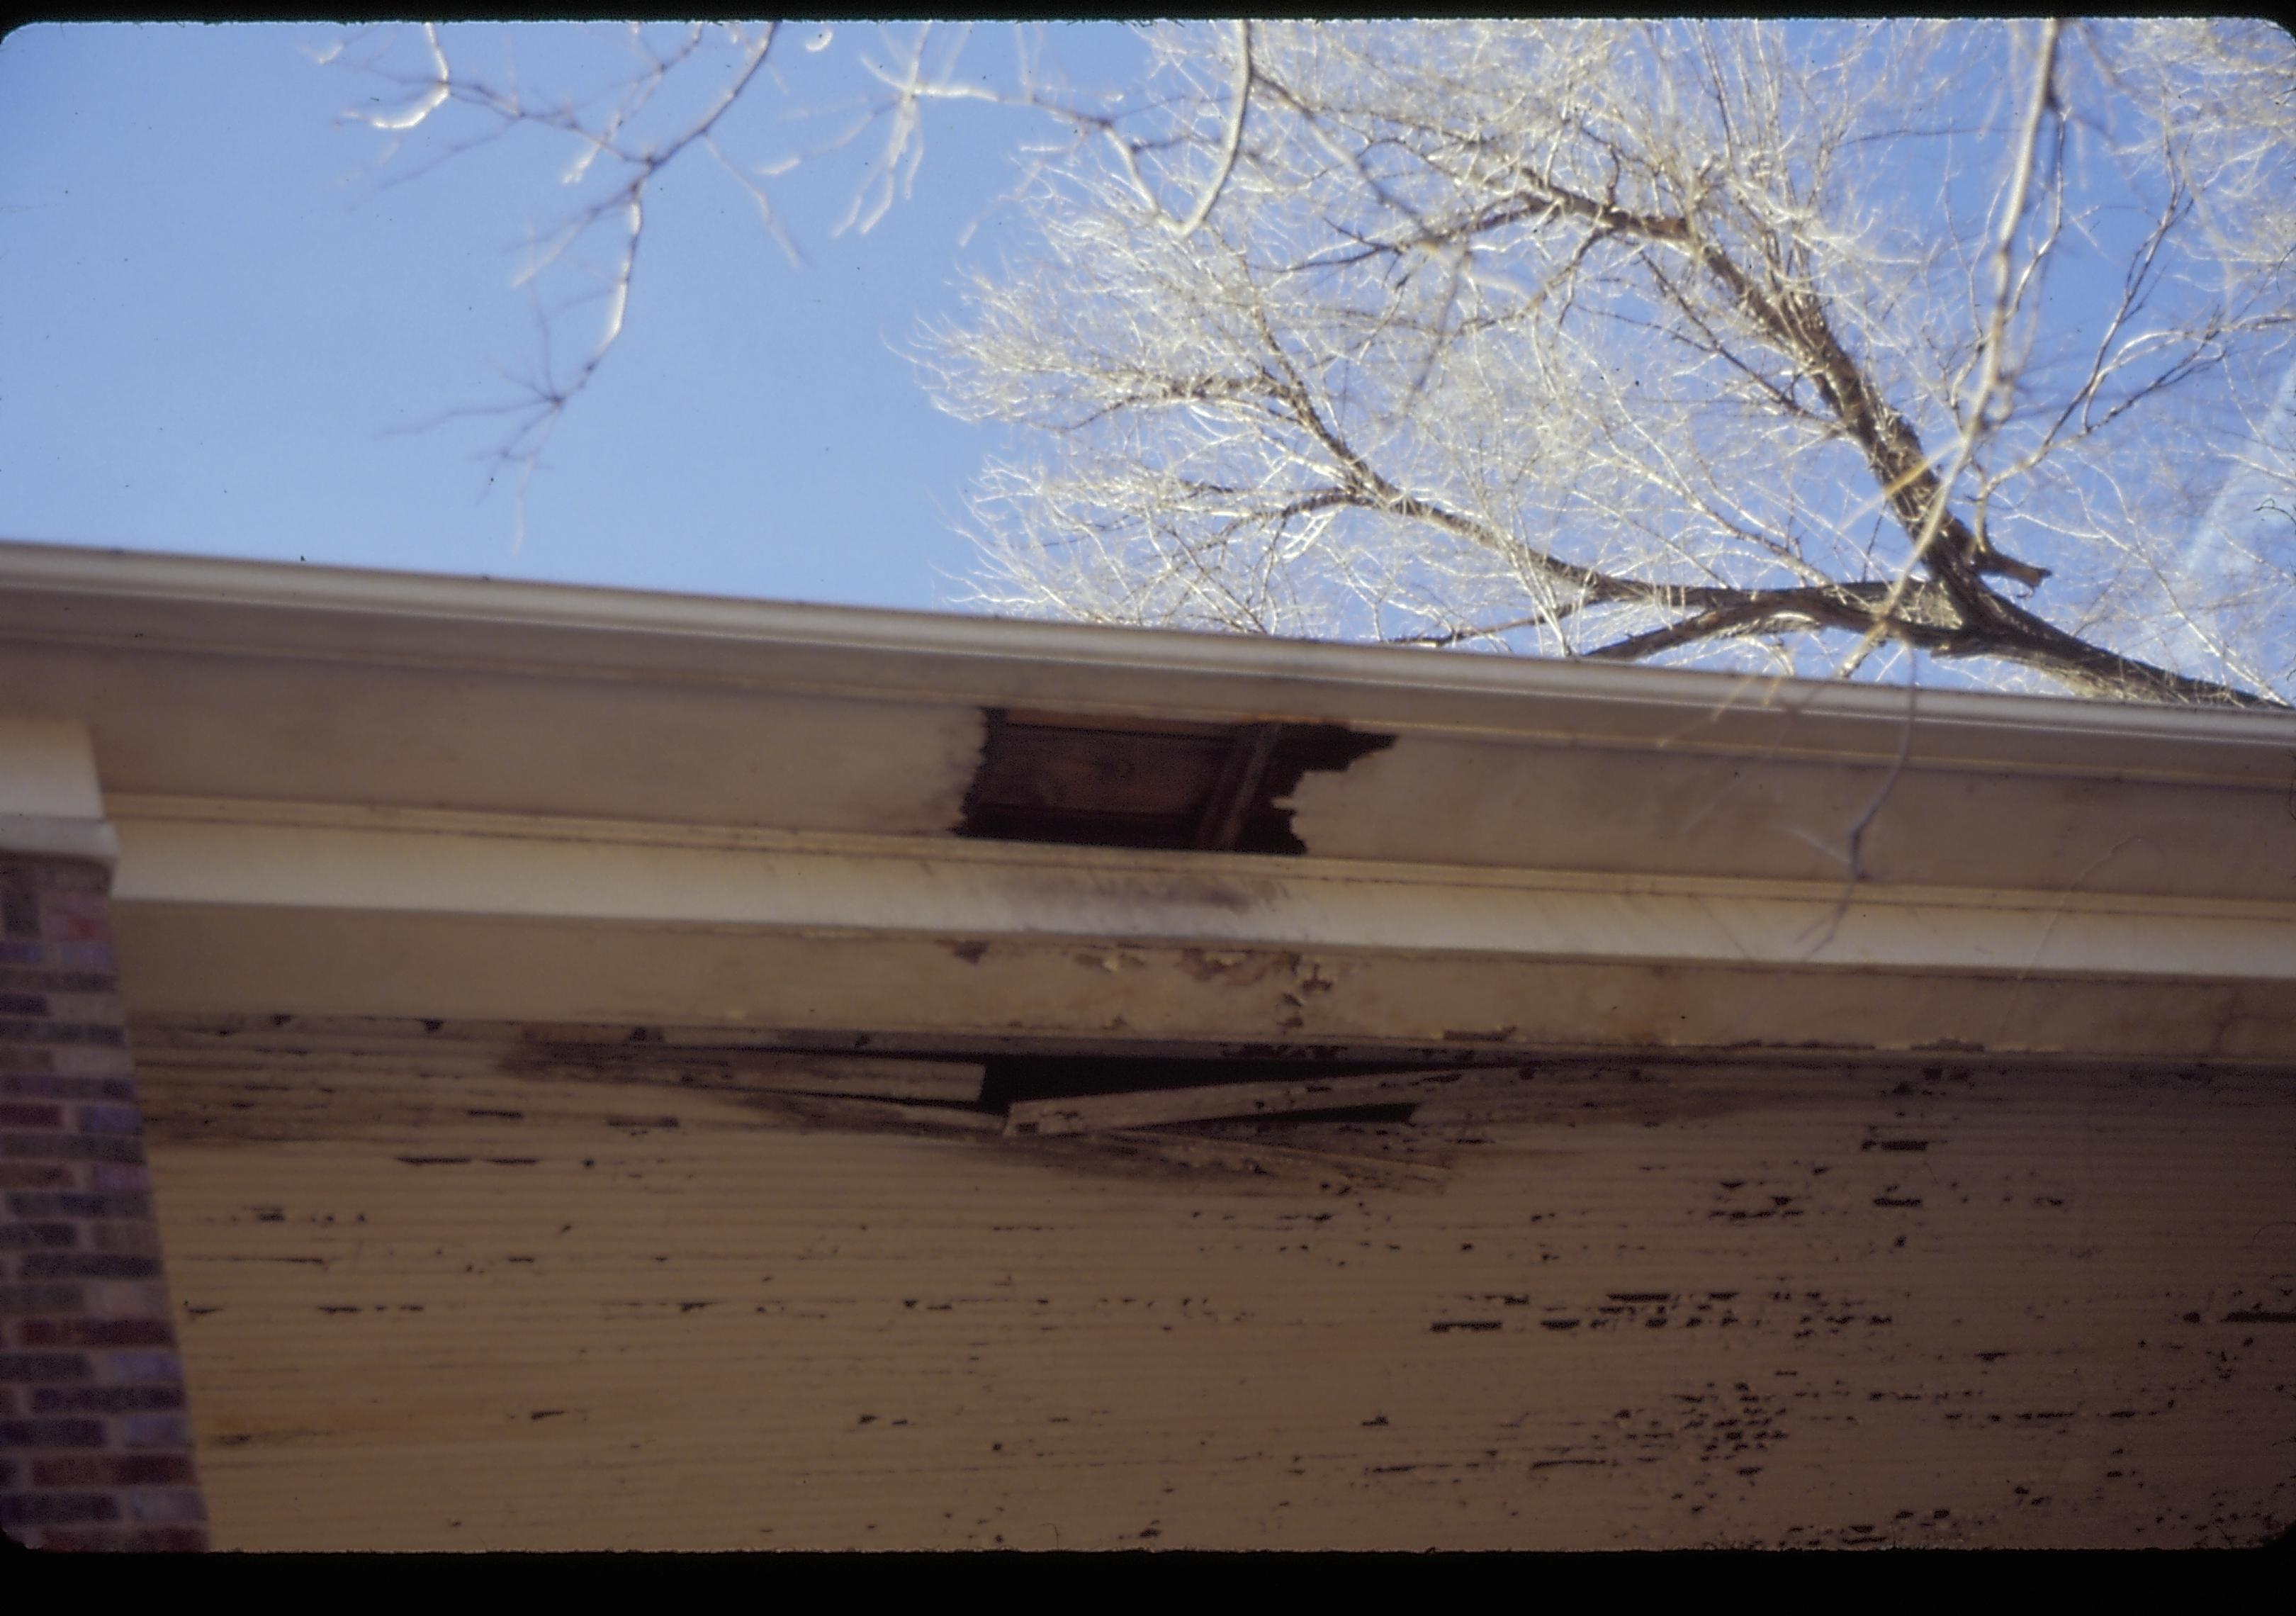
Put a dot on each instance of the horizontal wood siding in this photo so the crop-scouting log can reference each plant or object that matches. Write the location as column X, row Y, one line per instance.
column 433, row 1306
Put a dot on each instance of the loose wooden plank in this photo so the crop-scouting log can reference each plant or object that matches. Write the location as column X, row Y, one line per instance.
column 1382, row 1141
column 785, row 1071
column 875, row 1116
column 297, row 1030
column 1212, row 1101
column 1257, row 1158
column 687, row 1064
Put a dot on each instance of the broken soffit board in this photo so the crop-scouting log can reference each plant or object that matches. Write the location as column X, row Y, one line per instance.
column 332, row 785
column 1099, row 780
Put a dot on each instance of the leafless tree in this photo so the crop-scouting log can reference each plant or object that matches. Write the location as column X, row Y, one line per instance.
column 1803, row 345
column 666, row 99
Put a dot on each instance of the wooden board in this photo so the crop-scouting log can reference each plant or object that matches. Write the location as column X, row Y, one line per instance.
column 1203, row 1103
column 677, row 1057
column 490, row 1311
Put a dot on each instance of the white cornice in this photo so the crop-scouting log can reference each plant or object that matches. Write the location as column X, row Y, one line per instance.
column 291, row 853
column 51, row 801
column 363, row 793
column 153, row 602
column 313, row 909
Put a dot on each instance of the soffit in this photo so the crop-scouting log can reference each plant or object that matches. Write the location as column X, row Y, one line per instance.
column 363, row 794
column 203, row 678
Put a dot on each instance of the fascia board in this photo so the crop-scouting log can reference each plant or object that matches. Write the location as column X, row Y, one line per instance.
column 918, row 994
column 154, row 604
column 465, row 865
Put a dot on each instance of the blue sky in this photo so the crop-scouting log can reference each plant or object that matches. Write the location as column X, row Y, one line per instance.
column 218, row 316
column 221, row 312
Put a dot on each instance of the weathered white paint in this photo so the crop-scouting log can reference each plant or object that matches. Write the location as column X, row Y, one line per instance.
column 438, row 1297
column 61, row 595
column 468, row 865
column 356, row 793
column 51, row 805
column 430, row 1310
column 920, row 995
column 1611, row 809
column 261, row 727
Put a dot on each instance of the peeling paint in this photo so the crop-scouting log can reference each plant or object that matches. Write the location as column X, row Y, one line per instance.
column 1080, row 1340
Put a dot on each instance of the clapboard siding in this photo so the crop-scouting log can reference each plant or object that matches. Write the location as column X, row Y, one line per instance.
column 1827, row 1307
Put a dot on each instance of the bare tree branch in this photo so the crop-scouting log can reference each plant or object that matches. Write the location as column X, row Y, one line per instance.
column 1234, row 142
column 1619, row 339
column 610, row 148
column 1566, row 328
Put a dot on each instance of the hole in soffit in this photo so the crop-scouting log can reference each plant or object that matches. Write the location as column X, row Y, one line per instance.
column 1118, row 783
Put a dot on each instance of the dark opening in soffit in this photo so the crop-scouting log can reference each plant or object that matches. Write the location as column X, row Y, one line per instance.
column 1119, row 783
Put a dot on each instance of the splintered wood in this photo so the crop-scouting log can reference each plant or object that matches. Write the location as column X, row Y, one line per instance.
column 1145, row 1108
column 454, row 1305
column 1148, row 1126
column 683, row 1057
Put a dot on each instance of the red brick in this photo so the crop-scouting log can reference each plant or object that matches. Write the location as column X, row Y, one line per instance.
column 68, row 1203
column 91, row 1060
column 56, row 1509
column 58, row 1433
column 65, row 890
column 174, row 1506
column 68, row 929
column 127, row 1299
column 20, row 907
column 155, row 1431
column 70, row 1470
column 102, row 1008
column 47, row 1367
column 95, row 1332
column 70, row 1147
column 21, row 1075
column 151, row 1469
column 79, row 1254
column 64, row 875
column 16, row 979
column 113, row 1470
column 106, row 1399
column 86, row 1265
column 145, row 1367
column 109, row 1119
column 33, row 1236
column 142, row 1239
column 61, row 1032
column 41, row 1538
column 41, row 1299
column 145, row 1540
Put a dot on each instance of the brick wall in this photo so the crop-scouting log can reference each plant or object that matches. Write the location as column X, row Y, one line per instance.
column 96, row 1448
